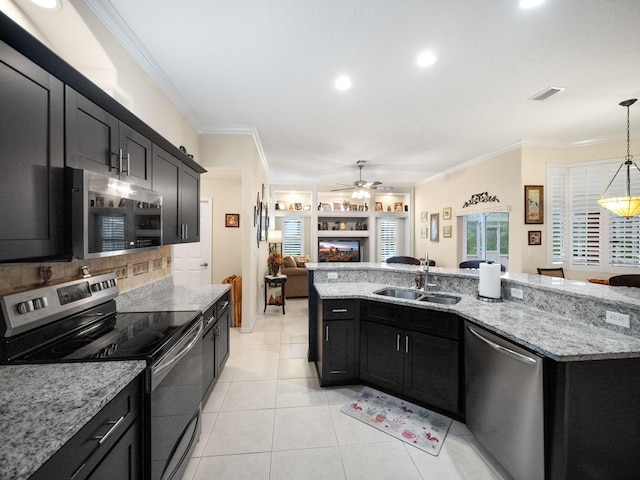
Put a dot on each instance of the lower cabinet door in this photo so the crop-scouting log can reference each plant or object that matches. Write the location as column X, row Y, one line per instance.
column 431, row 370
column 381, row 355
column 124, row 460
column 339, row 351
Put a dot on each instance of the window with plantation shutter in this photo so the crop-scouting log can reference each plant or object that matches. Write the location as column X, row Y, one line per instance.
column 557, row 203
column 387, row 238
column 292, row 236
column 585, row 216
column 583, row 235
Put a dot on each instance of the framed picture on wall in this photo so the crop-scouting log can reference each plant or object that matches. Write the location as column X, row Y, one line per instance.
column 435, row 227
column 423, row 233
column 446, row 231
column 446, row 213
column 232, row 220
column 535, row 237
column 423, row 217
column 534, row 204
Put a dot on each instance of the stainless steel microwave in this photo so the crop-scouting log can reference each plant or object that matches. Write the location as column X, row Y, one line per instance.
column 112, row 217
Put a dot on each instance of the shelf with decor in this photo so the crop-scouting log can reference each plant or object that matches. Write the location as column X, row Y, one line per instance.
column 343, row 233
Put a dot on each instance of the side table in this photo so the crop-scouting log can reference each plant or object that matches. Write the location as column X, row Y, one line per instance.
column 271, row 281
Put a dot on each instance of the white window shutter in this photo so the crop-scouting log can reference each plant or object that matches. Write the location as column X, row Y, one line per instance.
column 387, row 238
column 585, row 216
column 557, row 208
column 292, row 237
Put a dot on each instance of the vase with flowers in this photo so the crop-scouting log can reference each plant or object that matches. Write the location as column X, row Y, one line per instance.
column 274, row 261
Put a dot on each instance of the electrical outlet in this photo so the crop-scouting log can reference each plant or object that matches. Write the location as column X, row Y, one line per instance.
column 517, row 293
column 332, row 275
column 619, row 319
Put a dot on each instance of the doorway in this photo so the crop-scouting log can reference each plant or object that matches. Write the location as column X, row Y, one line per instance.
column 191, row 262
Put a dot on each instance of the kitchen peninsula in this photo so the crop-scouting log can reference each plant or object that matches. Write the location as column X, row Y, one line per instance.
column 591, row 368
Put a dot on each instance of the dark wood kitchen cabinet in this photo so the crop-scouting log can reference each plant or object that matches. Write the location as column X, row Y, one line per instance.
column 98, row 141
column 109, row 446
column 337, row 342
column 413, row 352
column 32, row 222
column 180, row 188
column 215, row 348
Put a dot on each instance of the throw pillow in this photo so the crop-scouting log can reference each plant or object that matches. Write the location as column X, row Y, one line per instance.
column 288, row 262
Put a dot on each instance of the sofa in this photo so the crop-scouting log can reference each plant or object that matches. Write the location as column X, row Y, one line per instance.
column 297, row 276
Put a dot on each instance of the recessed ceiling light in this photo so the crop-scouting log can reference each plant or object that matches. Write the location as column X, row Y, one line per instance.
column 343, row 83
column 48, row 4
column 426, row 59
column 530, row 3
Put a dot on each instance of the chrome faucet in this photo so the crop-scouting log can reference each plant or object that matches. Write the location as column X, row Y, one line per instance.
column 422, row 277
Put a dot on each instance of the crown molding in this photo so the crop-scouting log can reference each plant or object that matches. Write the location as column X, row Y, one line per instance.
column 127, row 38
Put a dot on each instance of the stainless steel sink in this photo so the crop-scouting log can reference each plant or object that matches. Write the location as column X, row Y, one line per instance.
column 400, row 293
column 421, row 296
column 439, row 298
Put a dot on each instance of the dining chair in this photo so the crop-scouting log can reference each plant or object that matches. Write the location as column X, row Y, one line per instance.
column 405, row 260
column 551, row 272
column 476, row 264
column 630, row 280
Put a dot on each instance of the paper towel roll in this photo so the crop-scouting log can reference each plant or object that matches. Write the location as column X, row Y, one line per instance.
column 489, row 284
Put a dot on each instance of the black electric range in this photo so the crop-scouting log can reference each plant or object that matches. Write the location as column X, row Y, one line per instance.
column 78, row 321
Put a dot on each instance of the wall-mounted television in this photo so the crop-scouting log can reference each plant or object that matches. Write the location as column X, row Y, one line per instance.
column 339, row 250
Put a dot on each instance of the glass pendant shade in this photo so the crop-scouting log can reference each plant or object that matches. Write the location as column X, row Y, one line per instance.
column 627, row 206
column 624, row 206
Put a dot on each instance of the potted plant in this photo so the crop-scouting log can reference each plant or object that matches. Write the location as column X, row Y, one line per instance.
column 274, row 261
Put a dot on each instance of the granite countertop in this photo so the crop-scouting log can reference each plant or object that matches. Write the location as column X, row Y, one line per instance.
column 43, row 406
column 556, row 337
column 164, row 295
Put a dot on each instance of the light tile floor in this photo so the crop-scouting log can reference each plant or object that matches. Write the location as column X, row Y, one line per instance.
column 267, row 418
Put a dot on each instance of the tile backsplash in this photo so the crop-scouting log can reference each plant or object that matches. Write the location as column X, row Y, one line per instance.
column 132, row 270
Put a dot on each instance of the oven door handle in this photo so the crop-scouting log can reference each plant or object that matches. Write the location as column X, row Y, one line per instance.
column 170, row 359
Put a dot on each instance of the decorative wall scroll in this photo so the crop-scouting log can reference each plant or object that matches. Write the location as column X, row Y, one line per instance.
column 483, row 197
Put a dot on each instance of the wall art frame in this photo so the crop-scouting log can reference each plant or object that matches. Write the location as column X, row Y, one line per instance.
column 535, row 237
column 232, row 220
column 435, row 227
column 534, row 204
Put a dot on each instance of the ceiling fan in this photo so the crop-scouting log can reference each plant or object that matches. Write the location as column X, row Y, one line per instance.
column 360, row 186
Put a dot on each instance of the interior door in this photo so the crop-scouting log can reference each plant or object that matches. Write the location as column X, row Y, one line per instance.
column 191, row 262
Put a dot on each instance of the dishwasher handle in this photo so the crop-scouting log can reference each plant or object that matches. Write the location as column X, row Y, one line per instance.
column 507, row 351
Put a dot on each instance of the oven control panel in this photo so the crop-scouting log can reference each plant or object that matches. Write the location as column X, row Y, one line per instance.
column 24, row 311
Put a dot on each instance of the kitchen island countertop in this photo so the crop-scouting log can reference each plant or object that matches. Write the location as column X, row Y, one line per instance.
column 43, row 406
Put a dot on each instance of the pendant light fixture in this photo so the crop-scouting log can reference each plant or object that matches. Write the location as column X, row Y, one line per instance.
column 626, row 206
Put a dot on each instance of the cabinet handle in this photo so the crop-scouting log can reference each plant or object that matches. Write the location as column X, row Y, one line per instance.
column 406, row 344
column 120, row 162
column 326, row 333
column 128, row 164
column 186, row 231
column 398, row 342
column 339, row 310
column 113, row 428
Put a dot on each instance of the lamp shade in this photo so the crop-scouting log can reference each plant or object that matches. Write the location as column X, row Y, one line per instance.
column 275, row 236
column 624, row 206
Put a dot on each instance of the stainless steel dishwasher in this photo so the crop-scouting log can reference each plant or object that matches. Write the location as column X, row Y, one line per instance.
column 504, row 402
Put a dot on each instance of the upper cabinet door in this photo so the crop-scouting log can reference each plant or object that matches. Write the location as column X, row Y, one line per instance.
column 166, row 180
column 98, row 141
column 91, row 135
column 190, row 204
column 136, row 156
column 32, row 161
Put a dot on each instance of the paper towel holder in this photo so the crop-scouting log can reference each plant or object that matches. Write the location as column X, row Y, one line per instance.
column 489, row 299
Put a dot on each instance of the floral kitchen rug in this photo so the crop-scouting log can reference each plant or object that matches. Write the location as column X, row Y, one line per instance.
column 410, row 423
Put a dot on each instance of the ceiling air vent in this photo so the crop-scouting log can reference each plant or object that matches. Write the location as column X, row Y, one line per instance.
column 546, row 93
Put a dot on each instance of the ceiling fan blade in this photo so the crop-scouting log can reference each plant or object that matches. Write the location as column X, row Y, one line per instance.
column 342, row 189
